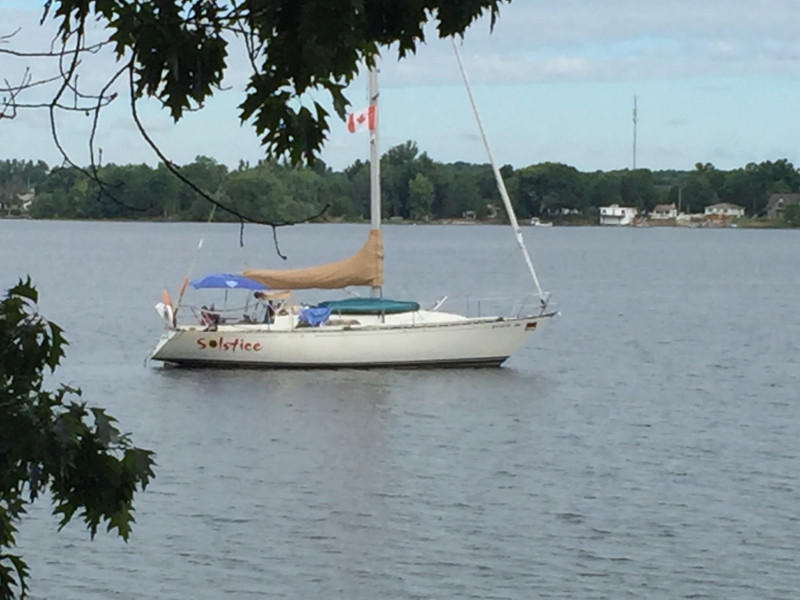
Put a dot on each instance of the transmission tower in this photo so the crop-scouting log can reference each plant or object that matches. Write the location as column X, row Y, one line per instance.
column 635, row 120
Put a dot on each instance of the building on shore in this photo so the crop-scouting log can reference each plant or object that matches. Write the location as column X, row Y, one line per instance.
column 724, row 209
column 617, row 215
column 777, row 203
column 664, row 211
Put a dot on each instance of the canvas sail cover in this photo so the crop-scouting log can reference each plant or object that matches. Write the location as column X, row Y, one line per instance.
column 365, row 267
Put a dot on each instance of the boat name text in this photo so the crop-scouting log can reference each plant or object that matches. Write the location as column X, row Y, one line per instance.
column 229, row 345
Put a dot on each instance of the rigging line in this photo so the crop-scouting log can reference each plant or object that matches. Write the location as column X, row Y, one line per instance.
column 501, row 186
column 65, row 74
column 172, row 168
column 192, row 264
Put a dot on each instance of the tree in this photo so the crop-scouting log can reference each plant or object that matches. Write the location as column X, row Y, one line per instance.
column 637, row 189
column 178, row 51
column 420, row 197
column 742, row 188
column 548, row 187
column 699, row 190
column 209, row 175
column 50, row 441
column 358, row 176
column 714, row 176
column 605, row 189
column 18, row 177
column 397, row 169
column 456, row 190
column 256, row 190
column 791, row 216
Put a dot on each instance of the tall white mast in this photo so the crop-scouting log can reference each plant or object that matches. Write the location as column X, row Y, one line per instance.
column 374, row 157
column 635, row 121
column 501, row 186
column 374, row 161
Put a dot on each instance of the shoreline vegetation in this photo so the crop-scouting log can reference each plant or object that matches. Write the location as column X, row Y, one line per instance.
column 415, row 190
column 743, row 223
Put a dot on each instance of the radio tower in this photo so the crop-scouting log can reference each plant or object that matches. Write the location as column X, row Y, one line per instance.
column 634, row 132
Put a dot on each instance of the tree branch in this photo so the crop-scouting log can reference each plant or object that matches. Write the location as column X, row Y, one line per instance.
column 174, row 170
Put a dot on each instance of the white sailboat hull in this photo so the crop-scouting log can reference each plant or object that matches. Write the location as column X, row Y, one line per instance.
column 443, row 342
column 370, row 332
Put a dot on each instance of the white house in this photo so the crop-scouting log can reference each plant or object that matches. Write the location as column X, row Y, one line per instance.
column 664, row 211
column 617, row 215
column 724, row 209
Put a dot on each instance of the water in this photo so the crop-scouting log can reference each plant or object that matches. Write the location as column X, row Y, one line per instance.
column 645, row 444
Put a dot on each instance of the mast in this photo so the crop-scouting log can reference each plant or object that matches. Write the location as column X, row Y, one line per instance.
column 374, row 158
column 374, row 163
column 635, row 121
column 501, row 186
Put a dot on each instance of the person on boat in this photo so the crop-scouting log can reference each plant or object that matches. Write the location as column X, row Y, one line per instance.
column 210, row 317
column 269, row 314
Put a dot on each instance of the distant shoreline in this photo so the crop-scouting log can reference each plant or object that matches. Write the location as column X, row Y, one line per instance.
column 741, row 223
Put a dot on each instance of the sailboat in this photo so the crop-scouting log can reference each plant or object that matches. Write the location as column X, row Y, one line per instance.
column 369, row 331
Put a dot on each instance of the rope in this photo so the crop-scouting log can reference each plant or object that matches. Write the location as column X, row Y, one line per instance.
column 191, row 267
column 501, row 187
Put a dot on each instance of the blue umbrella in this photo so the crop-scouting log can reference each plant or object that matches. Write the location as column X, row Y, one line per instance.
column 227, row 281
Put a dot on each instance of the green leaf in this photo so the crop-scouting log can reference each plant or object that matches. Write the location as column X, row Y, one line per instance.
column 47, row 443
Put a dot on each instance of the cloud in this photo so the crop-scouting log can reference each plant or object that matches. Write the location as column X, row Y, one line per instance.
column 621, row 39
column 570, row 40
column 561, row 66
column 566, row 69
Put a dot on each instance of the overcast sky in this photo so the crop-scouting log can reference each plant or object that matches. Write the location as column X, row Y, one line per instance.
column 716, row 82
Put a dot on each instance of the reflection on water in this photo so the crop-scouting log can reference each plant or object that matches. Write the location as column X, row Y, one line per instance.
column 644, row 444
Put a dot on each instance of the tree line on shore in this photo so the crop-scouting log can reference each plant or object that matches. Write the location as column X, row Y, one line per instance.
column 413, row 187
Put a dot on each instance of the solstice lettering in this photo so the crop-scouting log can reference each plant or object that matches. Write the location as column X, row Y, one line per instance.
column 230, row 345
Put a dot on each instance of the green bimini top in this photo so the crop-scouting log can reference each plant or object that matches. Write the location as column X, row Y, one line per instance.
column 369, row 306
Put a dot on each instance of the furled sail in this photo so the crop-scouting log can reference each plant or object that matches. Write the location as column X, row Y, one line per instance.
column 365, row 267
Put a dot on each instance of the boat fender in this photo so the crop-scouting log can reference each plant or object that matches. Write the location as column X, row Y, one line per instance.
column 165, row 312
column 172, row 311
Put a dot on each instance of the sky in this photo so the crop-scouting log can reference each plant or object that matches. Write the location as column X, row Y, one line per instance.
column 715, row 82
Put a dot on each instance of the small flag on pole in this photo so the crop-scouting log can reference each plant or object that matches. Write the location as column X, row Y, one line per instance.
column 364, row 119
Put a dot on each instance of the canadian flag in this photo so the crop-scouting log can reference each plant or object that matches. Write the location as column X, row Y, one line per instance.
column 362, row 119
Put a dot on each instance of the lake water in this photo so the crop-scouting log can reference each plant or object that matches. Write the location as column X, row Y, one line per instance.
column 645, row 444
